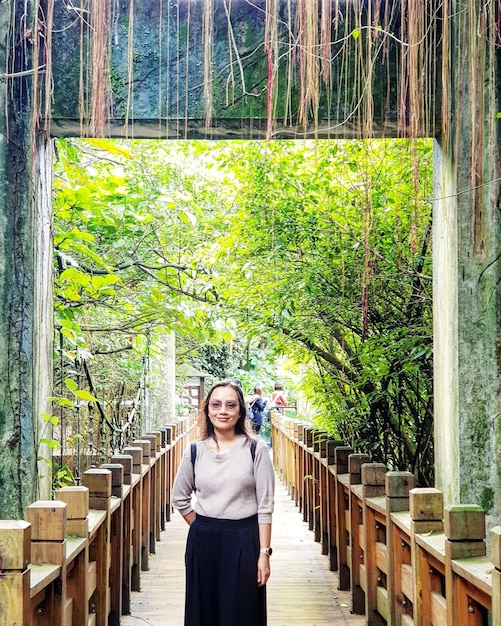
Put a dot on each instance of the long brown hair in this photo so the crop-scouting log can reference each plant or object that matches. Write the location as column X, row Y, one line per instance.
column 206, row 426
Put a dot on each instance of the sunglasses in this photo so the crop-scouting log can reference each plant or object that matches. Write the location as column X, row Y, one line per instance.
column 216, row 405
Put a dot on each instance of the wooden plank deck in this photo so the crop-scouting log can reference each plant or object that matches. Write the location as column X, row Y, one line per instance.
column 301, row 589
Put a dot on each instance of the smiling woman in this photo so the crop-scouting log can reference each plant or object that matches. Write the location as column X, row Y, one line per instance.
column 230, row 523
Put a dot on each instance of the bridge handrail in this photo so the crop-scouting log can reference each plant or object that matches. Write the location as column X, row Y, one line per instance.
column 406, row 558
column 77, row 558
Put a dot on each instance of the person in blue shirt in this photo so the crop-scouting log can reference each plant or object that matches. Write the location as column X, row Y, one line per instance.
column 257, row 406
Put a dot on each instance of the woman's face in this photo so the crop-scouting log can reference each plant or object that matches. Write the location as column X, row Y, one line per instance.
column 224, row 409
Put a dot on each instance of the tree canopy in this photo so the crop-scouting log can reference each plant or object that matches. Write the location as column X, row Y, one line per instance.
column 315, row 250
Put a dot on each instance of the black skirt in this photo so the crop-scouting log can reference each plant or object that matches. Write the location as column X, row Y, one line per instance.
column 221, row 573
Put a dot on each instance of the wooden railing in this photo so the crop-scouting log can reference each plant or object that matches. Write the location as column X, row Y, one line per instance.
column 76, row 559
column 406, row 559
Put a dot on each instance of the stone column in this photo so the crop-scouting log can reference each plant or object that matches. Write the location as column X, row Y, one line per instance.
column 25, row 267
column 467, row 268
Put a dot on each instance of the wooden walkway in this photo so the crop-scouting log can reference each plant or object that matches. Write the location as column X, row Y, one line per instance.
column 301, row 589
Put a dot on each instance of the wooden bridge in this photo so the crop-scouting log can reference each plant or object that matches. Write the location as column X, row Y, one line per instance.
column 374, row 549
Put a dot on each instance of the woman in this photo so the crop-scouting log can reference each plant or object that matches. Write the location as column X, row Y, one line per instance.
column 228, row 547
column 278, row 397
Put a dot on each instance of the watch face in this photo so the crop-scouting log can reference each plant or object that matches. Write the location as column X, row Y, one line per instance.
column 270, row 551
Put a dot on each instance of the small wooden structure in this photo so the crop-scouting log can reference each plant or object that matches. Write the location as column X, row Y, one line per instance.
column 194, row 385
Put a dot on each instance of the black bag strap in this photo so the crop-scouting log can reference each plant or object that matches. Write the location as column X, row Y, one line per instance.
column 193, row 451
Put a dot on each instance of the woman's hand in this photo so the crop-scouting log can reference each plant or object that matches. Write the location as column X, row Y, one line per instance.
column 263, row 569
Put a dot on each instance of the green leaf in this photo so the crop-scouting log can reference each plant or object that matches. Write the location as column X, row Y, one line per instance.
column 51, row 443
column 83, row 394
column 71, row 384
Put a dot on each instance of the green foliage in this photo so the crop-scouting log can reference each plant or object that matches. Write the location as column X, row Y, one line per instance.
column 315, row 250
column 335, row 237
column 61, row 476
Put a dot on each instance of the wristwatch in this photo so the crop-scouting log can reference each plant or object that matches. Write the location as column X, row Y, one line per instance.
column 267, row 551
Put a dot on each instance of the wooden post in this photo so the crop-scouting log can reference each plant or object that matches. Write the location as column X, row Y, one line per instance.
column 48, row 545
column 316, row 487
column 146, row 510
column 495, row 536
column 302, row 471
column 298, row 492
column 117, row 477
column 159, row 481
column 116, row 544
column 308, row 442
column 400, row 578
column 77, row 502
column 154, row 492
column 48, row 520
column 332, row 444
column 164, row 516
column 169, row 465
column 397, row 488
column 355, row 462
column 367, row 579
column 99, row 484
column 324, row 504
column 15, row 552
column 126, row 461
column 343, row 506
column 356, row 513
column 137, row 513
column 464, row 526
column 426, row 509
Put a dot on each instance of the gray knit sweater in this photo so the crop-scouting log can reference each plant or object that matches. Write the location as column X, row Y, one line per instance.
column 229, row 485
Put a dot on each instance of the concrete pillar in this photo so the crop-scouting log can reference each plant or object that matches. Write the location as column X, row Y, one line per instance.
column 25, row 268
column 467, row 272
column 162, row 401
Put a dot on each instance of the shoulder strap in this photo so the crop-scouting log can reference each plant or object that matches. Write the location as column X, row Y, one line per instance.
column 253, row 450
column 193, row 450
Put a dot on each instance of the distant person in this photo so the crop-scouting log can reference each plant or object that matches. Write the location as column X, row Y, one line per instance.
column 228, row 547
column 279, row 397
column 257, row 405
column 238, row 382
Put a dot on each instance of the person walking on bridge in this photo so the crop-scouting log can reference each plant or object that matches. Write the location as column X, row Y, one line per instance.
column 228, row 547
column 257, row 406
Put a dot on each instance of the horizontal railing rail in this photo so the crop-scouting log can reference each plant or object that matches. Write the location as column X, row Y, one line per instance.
column 407, row 559
column 76, row 559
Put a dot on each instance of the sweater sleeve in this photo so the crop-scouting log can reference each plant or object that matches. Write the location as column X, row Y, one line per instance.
column 265, row 483
column 183, row 485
